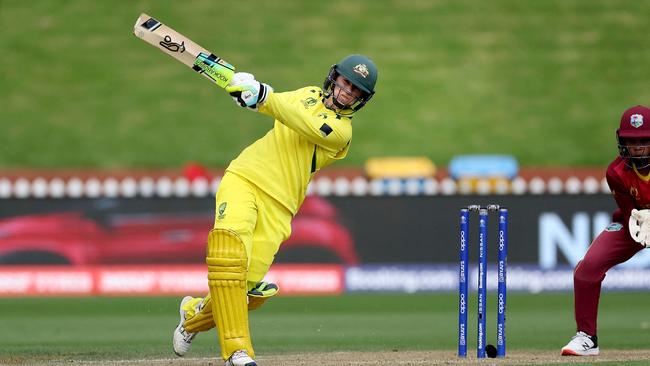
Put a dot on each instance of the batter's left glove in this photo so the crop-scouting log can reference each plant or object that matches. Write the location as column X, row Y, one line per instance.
column 246, row 91
column 639, row 226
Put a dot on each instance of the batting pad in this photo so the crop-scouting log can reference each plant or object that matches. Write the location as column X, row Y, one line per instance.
column 227, row 261
column 201, row 320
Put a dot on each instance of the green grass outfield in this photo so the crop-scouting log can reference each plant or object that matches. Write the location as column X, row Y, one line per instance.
column 102, row 329
column 545, row 81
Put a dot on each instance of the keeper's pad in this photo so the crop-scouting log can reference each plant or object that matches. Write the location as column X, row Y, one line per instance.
column 198, row 313
column 260, row 293
column 227, row 266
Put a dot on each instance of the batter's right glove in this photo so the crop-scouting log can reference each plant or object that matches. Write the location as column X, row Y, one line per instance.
column 639, row 226
column 246, row 91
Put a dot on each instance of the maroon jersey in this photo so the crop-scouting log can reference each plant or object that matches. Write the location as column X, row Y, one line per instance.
column 614, row 245
column 629, row 188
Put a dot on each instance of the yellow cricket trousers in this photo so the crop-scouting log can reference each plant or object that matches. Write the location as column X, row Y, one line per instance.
column 261, row 222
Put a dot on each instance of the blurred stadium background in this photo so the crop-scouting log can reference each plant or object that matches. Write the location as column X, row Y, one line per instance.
column 110, row 153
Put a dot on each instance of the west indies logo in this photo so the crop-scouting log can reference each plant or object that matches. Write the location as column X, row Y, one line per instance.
column 636, row 120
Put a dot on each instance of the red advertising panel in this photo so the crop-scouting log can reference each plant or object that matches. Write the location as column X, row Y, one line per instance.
column 155, row 280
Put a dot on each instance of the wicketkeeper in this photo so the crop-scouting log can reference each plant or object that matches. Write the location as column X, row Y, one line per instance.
column 260, row 193
column 628, row 177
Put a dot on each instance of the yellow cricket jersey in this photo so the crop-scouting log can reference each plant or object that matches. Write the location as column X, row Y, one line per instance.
column 306, row 136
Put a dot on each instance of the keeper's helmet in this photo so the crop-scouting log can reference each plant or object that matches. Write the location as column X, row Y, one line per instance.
column 360, row 71
column 635, row 125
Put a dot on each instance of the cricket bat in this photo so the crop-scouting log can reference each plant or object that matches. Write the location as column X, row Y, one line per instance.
column 183, row 49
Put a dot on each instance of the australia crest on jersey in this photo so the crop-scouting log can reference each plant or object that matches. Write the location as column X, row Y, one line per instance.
column 636, row 120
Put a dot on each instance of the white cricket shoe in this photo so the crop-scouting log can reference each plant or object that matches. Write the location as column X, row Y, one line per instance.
column 182, row 339
column 581, row 344
column 240, row 358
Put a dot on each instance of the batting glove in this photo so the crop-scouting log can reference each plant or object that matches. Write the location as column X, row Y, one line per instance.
column 246, row 91
column 260, row 293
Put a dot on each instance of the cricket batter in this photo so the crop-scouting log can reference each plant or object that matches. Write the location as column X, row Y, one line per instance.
column 628, row 177
column 260, row 193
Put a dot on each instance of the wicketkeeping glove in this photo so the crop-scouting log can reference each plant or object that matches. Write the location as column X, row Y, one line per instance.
column 639, row 226
column 246, row 91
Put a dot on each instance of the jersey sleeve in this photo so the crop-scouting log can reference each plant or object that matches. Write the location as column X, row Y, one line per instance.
column 330, row 133
column 623, row 199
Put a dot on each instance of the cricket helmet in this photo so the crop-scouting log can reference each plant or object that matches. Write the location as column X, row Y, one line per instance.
column 635, row 124
column 360, row 71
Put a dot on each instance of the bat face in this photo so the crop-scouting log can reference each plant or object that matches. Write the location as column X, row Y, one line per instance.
column 172, row 46
column 184, row 50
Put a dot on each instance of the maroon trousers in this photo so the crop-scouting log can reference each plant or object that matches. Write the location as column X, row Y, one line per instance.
column 607, row 250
